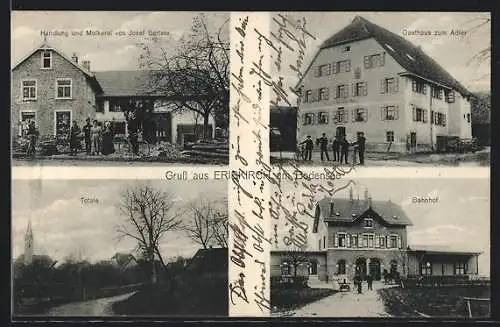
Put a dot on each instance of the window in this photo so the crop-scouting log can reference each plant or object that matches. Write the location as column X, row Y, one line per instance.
column 324, row 70
column 382, row 241
column 389, row 85
column 425, row 268
column 308, row 97
column 323, row 93
column 418, row 86
column 436, row 92
column 340, row 116
column 342, row 240
column 115, row 106
column 419, row 114
column 46, row 60
column 62, row 123
column 389, row 113
column 99, row 105
column 323, row 118
column 343, row 66
column 460, row 268
column 373, row 61
column 359, row 115
column 29, row 90
column 324, row 241
column 369, row 223
column 332, row 209
column 354, row 241
column 319, row 244
column 439, row 119
column 389, row 136
column 347, row 48
column 450, row 96
column 393, row 241
column 286, row 269
column 63, row 88
column 359, row 89
column 368, row 240
column 309, row 119
column 341, row 267
column 341, row 91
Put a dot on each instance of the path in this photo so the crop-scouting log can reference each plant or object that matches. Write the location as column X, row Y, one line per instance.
column 346, row 304
column 96, row 308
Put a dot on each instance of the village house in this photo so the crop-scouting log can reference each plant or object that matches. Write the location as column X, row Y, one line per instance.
column 53, row 90
column 365, row 237
column 367, row 79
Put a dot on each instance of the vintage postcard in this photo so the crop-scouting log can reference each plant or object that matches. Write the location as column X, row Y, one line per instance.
column 95, row 88
column 109, row 248
column 381, row 88
column 385, row 247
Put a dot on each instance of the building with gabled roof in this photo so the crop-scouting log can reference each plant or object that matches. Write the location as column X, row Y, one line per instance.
column 365, row 78
column 353, row 236
column 54, row 89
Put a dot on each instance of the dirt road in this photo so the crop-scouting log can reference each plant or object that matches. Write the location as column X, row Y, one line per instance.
column 99, row 307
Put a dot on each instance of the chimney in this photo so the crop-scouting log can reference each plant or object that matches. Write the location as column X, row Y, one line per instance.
column 75, row 57
column 86, row 64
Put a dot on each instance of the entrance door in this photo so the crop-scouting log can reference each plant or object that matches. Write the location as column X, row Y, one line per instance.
column 313, row 267
column 164, row 127
column 62, row 124
column 340, row 131
column 361, row 268
column 375, row 268
column 413, row 141
column 26, row 117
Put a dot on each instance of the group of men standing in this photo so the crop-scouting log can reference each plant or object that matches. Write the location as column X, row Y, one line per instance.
column 98, row 139
column 340, row 147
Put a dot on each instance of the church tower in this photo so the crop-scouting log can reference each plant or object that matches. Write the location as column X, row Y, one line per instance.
column 28, row 245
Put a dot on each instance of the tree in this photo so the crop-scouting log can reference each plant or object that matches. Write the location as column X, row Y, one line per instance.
column 148, row 215
column 208, row 226
column 295, row 255
column 195, row 76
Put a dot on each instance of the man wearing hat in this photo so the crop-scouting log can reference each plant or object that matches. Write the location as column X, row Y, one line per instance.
column 360, row 143
column 309, row 147
column 86, row 134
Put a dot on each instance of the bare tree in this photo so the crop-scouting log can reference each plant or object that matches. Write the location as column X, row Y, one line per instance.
column 196, row 76
column 148, row 215
column 295, row 255
column 208, row 226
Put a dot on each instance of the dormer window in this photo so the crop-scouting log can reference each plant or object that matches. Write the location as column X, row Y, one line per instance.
column 46, row 60
column 368, row 223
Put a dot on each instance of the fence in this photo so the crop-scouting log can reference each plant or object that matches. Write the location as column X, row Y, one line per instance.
column 476, row 306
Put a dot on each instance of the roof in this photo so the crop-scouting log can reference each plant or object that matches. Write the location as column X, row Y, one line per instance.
column 124, row 83
column 209, row 260
column 441, row 249
column 46, row 46
column 397, row 47
column 347, row 211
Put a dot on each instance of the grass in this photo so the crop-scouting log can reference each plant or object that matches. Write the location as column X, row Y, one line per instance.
column 286, row 299
column 201, row 300
column 434, row 301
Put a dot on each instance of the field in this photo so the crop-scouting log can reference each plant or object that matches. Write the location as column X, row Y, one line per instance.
column 435, row 301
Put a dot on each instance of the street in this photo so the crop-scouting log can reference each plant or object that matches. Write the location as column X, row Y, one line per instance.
column 95, row 308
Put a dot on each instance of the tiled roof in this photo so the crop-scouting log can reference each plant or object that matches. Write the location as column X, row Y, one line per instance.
column 124, row 83
column 349, row 210
column 399, row 48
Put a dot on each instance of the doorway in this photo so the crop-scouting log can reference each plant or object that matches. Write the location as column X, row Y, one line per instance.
column 413, row 141
column 340, row 131
column 361, row 268
column 375, row 268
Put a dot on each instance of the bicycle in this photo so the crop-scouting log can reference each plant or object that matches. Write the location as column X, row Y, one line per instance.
column 300, row 153
column 123, row 144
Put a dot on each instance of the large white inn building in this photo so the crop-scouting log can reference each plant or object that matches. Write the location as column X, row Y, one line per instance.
column 368, row 79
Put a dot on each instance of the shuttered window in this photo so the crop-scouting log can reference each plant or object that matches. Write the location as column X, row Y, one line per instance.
column 389, row 85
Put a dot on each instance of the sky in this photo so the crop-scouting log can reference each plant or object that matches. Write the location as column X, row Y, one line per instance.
column 104, row 53
column 453, row 53
column 63, row 226
column 459, row 220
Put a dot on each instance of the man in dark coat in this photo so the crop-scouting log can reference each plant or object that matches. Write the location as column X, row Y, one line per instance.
column 323, row 143
column 344, row 149
column 336, row 149
column 86, row 135
column 74, row 138
column 309, row 147
column 369, row 281
column 360, row 144
column 358, row 282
